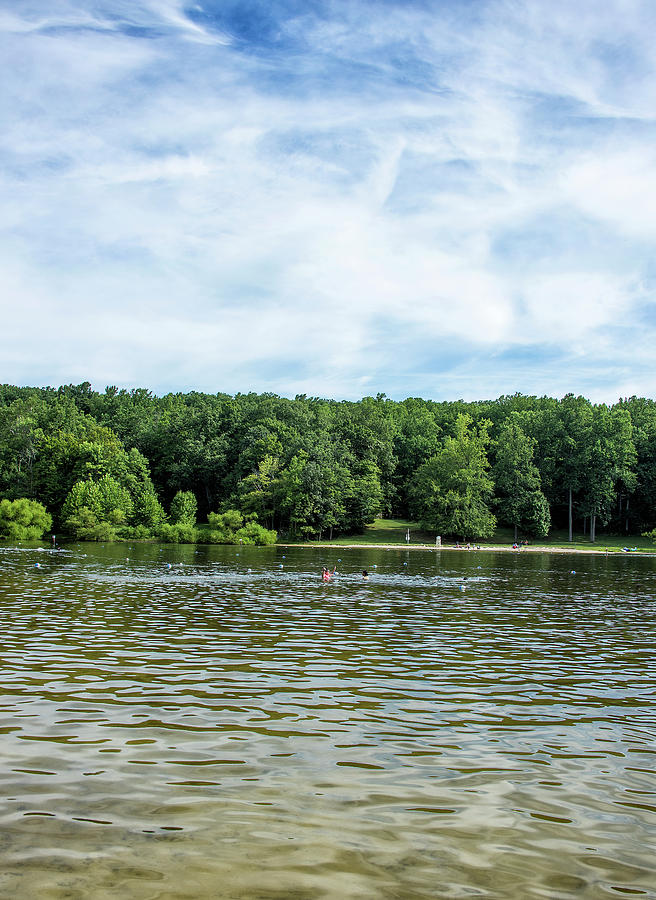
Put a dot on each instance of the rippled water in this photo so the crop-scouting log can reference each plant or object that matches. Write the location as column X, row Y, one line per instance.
column 217, row 723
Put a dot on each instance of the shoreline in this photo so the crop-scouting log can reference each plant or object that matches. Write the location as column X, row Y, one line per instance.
column 483, row 548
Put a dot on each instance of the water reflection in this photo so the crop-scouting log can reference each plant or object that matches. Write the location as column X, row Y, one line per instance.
column 216, row 722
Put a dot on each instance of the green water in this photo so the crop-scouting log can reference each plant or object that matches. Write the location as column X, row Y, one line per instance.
column 217, row 723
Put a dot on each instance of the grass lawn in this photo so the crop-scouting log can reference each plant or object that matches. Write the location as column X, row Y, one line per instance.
column 393, row 531
column 388, row 531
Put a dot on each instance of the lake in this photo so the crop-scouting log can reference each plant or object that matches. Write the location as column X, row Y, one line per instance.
column 215, row 722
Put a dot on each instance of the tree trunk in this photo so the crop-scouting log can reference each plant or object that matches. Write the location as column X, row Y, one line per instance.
column 515, row 534
column 585, row 525
column 626, row 510
column 593, row 526
column 570, row 516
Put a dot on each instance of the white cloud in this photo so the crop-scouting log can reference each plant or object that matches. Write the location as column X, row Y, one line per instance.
column 618, row 188
column 567, row 307
column 177, row 208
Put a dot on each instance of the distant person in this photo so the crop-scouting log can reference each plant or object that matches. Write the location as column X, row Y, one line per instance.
column 326, row 574
column 365, row 574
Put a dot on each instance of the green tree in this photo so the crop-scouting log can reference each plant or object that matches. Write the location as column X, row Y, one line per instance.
column 365, row 499
column 519, row 498
column 230, row 527
column 184, row 508
column 637, row 506
column 91, row 503
column 258, row 492
column 418, row 438
column 230, row 521
column 451, row 492
column 563, row 434
column 610, row 462
column 20, row 434
column 23, row 520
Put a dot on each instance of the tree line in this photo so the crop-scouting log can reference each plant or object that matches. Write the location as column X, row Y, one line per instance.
column 129, row 463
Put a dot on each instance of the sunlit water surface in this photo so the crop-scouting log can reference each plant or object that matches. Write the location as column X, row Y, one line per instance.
column 217, row 723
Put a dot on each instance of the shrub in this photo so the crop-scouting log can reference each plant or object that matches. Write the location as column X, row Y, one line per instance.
column 148, row 511
column 177, row 534
column 252, row 533
column 23, row 520
column 230, row 528
column 215, row 536
column 228, row 521
column 184, row 508
column 84, row 525
column 105, row 498
column 103, row 531
column 137, row 533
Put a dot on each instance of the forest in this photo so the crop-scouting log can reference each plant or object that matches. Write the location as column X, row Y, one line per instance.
column 250, row 467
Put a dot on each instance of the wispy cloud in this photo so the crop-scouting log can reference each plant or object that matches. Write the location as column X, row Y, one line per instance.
column 422, row 198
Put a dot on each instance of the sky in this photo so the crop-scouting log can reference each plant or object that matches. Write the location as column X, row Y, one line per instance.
column 429, row 198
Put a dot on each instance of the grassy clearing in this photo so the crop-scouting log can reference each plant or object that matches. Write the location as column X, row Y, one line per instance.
column 389, row 531
column 393, row 531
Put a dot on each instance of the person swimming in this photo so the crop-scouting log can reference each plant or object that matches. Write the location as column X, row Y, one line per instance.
column 365, row 574
column 326, row 574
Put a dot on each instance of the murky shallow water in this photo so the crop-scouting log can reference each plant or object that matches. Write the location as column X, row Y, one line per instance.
column 230, row 727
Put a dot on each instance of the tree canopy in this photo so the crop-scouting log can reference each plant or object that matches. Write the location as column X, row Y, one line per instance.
column 129, row 463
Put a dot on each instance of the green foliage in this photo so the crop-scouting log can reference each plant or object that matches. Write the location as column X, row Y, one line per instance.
column 184, row 508
column 177, row 534
column 258, row 492
column 106, row 499
column 231, row 528
column 519, row 498
column 148, row 512
column 610, row 458
column 253, row 533
column 313, row 468
column 366, row 499
column 23, row 520
column 84, row 525
column 137, row 533
column 452, row 491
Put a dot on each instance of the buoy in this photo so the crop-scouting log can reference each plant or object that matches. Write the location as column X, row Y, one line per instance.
column 405, row 564
column 168, row 565
column 280, row 566
column 573, row 572
column 37, row 565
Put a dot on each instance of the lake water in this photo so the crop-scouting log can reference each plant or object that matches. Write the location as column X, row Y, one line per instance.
column 215, row 722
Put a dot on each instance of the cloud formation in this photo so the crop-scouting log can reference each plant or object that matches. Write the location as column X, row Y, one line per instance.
column 421, row 198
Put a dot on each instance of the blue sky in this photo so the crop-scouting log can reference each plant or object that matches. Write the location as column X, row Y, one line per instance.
column 421, row 198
